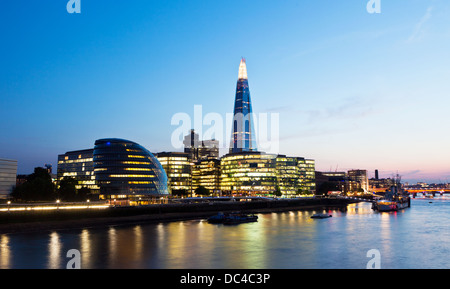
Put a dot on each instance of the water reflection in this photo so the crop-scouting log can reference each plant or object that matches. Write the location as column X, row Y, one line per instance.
column 112, row 245
column 86, row 249
column 54, row 249
column 5, row 252
column 138, row 242
column 278, row 240
column 126, row 247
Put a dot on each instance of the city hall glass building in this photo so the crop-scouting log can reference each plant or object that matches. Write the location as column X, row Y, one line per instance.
column 125, row 170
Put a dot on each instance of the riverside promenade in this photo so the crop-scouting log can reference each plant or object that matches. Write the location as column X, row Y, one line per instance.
column 60, row 218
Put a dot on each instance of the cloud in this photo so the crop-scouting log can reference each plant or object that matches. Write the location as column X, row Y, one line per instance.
column 413, row 172
column 419, row 28
column 340, row 116
column 350, row 108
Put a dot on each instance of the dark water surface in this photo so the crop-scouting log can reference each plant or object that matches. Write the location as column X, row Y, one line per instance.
column 418, row 237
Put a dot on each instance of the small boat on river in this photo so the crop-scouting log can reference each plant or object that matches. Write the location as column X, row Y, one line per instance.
column 321, row 216
column 232, row 218
column 217, row 219
column 240, row 218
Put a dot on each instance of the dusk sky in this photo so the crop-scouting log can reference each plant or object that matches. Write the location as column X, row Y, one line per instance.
column 353, row 90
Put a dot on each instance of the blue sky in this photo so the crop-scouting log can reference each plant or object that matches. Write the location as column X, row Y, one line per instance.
column 352, row 89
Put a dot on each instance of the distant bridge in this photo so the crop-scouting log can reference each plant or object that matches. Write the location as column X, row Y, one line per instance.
column 418, row 191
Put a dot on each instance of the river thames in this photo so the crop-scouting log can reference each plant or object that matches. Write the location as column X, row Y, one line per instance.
column 415, row 238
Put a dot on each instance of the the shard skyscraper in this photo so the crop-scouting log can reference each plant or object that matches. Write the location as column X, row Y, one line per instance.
column 243, row 134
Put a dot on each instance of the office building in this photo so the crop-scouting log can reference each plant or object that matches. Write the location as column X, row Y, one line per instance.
column 296, row 175
column 307, row 175
column 336, row 176
column 200, row 149
column 80, row 166
column 209, row 149
column 248, row 173
column 358, row 180
column 339, row 179
column 288, row 173
column 380, row 185
column 191, row 143
column 8, row 174
column 206, row 173
column 125, row 170
column 243, row 133
column 257, row 173
column 177, row 166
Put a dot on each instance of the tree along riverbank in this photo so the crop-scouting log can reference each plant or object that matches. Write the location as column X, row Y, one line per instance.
column 28, row 221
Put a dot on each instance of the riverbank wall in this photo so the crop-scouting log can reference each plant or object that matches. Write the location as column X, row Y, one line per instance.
column 13, row 222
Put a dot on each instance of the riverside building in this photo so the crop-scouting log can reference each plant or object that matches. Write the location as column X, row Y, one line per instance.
column 80, row 166
column 295, row 175
column 307, row 175
column 177, row 166
column 351, row 182
column 206, row 173
column 8, row 175
column 358, row 180
column 261, row 174
column 128, row 173
column 248, row 173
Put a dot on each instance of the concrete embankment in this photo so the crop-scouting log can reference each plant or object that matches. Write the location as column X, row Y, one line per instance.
column 14, row 222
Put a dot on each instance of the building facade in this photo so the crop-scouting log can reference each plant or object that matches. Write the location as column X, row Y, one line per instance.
column 358, row 180
column 209, row 149
column 126, row 170
column 200, row 149
column 257, row 173
column 296, row 175
column 177, row 166
column 288, row 172
column 307, row 175
column 338, row 179
column 378, row 185
column 206, row 173
column 248, row 173
column 243, row 133
column 8, row 175
column 80, row 166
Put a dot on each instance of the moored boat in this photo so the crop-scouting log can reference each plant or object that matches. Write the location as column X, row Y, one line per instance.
column 232, row 218
column 240, row 218
column 217, row 219
column 321, row 216
column 391, row 205
column 394, row 200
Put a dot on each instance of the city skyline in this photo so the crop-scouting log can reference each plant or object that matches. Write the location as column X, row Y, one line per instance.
column 353, row 90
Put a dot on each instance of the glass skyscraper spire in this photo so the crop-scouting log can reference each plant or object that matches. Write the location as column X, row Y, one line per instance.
column 243, row 134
